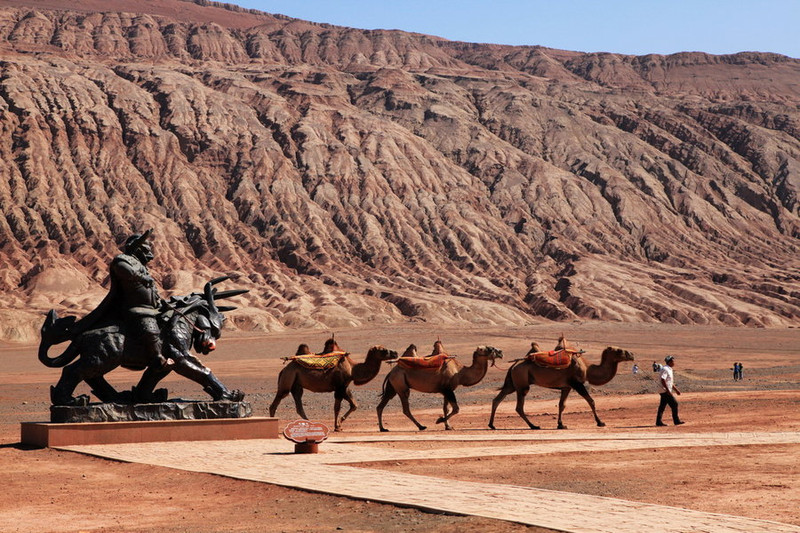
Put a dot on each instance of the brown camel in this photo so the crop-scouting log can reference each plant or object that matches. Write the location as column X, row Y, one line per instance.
column 443, row 380
column 295, row 378
column 524, row 373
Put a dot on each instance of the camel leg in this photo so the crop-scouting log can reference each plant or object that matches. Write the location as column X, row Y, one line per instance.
column 561, row 403
column 449, row 397
column 581, row 389
column 407, row 409
column 521, row 393
column 279, row 396
column 388, row 394
column 496, row 402
column 445, row 410
column 297, row 394
column 348, row 395
column 337, row 406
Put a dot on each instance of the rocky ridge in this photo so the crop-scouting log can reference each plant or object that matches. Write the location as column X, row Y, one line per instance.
column 352, row 176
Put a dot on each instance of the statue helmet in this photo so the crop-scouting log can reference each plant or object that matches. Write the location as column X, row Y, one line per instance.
column 133, row 242
column 128, row 246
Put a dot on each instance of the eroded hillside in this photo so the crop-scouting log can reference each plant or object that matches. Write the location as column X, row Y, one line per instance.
column 351, row 176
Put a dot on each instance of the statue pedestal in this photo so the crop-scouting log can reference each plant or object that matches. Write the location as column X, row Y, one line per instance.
column 169, row 410
column 165, row 422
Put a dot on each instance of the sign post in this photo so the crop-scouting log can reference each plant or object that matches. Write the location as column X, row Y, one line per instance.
column 306, row 435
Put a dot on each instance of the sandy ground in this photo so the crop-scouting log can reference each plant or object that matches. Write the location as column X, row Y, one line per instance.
column 753, row 481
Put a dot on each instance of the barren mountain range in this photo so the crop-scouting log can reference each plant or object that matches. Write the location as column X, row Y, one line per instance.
column 352, row 176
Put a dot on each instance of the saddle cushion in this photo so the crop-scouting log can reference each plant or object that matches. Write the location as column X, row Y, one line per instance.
column 558, row 359
column 323, row 361
column 431, row 362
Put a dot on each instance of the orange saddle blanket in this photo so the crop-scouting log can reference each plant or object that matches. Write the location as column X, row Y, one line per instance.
column 431, row 362
column 322, row 361
column 558, row 359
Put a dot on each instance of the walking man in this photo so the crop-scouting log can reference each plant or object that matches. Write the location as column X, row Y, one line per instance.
column 668, row 391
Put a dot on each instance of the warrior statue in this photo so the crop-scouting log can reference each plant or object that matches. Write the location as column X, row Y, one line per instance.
column 132, row 299
column 134, row 328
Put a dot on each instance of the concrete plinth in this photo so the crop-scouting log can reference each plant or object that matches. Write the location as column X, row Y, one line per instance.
column 47, row 434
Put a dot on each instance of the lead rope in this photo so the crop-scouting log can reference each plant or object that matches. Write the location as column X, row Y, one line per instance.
column 175, row 310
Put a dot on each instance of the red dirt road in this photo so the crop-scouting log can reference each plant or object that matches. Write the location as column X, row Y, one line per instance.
column 49, row 490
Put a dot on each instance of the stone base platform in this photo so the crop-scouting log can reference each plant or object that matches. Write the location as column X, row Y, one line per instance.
column 47, row 434
column 168, row 410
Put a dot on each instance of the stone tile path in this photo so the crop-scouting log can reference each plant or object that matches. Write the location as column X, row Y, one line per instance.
column 273, row 461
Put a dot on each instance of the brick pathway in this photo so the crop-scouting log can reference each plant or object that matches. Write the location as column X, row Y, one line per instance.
column 273, row 461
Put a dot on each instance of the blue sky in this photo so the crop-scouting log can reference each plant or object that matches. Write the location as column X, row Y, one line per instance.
column 620, row 26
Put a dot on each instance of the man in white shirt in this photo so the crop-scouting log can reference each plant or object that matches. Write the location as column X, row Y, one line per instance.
column 668, row 391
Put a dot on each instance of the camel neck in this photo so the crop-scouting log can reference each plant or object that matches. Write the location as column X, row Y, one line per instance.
column 470, row 375
column 366, row 371
column 602, row 373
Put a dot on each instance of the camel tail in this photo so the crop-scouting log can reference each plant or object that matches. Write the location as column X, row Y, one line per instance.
column 507, row 383
column 383, row 387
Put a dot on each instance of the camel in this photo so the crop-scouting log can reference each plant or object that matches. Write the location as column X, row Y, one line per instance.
column 295, row 378
column 524, row 373
column 443, row 380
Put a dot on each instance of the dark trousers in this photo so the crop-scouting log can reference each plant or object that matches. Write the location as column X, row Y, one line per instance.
column 668, row 399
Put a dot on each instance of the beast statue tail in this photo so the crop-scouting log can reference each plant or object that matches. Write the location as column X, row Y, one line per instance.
column 54, row 331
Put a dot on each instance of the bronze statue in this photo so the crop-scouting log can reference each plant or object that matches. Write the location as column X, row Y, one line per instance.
column 134, row 328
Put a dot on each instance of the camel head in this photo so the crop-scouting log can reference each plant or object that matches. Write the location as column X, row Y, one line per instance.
column 381, row 353
column 616, row 354
column 487, row 352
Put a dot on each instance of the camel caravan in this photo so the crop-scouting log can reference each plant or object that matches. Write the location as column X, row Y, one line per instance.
column 332, row 370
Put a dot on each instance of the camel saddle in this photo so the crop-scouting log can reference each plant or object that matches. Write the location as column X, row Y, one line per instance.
column 433, row 362
column 557, row 359
column 430, row 362
column 318, row 361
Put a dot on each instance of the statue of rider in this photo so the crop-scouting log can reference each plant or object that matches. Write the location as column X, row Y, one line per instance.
column 132, row 301
column 137, row 296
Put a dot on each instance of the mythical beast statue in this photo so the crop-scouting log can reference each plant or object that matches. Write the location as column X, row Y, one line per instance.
column 135, row 329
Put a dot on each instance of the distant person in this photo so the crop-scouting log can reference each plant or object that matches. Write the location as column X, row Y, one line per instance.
column 656, row 367
column 735, row 371
column 741, row 371
column 635, row 369
column 668, row 391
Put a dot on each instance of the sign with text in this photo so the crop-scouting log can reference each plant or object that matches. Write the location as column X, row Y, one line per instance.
column 301, row 431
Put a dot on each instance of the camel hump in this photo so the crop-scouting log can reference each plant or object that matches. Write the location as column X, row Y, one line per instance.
column 331, row 346
column 534, row 348
column 303, row 349
column 411, row 351
column 438, row 348
column 562, row 343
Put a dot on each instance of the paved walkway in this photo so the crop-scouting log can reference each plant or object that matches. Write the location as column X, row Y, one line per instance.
column 273, row 461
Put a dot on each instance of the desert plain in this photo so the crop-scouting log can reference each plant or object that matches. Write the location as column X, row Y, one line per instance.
column 56, row 490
